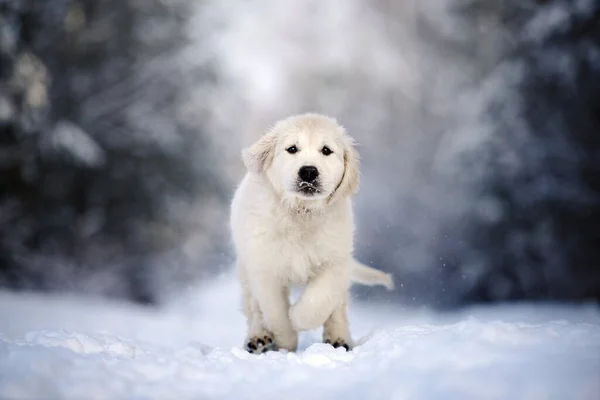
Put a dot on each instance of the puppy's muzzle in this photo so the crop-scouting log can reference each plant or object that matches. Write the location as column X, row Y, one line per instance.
column 308, row 183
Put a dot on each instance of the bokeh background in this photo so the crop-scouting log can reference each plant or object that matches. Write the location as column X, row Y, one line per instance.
column 122, row 122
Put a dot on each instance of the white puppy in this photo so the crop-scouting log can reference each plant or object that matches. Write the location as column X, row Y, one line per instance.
column 292, row 224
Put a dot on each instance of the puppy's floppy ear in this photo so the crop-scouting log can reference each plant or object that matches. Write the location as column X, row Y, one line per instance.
column 351, row 178
column 258, row 157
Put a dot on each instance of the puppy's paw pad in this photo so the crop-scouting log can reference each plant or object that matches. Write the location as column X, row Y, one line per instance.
column 260, row 344
column 338, row 343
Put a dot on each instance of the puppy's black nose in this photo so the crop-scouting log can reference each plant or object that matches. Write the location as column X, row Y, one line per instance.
column 308, row 173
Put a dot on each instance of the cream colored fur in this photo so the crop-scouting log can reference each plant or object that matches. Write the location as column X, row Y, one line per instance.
column 284, row 238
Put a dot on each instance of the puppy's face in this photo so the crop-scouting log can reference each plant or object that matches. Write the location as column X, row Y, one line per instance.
column 308, row 163
column 308, row 157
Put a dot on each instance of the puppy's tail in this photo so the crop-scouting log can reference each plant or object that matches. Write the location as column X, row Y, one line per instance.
column 360, row 273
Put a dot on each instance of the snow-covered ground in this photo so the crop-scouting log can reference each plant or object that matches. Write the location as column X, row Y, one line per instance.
column 69, row 347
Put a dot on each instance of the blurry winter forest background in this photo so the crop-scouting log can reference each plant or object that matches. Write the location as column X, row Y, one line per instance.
column 122, row 121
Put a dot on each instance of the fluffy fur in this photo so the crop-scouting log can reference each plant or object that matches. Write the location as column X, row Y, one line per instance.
column 288, row 230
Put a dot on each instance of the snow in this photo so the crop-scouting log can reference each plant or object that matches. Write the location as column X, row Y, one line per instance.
column 71, row 347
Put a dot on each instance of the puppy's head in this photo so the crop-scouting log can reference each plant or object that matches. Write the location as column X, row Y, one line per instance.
column 307, row 158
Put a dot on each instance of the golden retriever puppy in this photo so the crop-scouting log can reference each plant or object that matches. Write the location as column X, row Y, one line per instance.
column 292, row 224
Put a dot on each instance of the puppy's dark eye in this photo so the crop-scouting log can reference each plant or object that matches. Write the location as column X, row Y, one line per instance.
column 292, row 149
column 326, row 151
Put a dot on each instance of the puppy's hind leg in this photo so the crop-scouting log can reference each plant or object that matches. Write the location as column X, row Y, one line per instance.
column 335, row 329
column 258, row 339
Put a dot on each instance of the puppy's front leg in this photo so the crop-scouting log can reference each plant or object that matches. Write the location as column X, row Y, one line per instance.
column 323, row 294
column 273, row 300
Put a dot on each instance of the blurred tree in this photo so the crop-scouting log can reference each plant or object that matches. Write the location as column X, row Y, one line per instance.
column 533, row 230
column 99, row 167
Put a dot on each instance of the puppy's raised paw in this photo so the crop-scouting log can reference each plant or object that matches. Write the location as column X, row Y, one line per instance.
column 338, row 343
column 261, row 344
